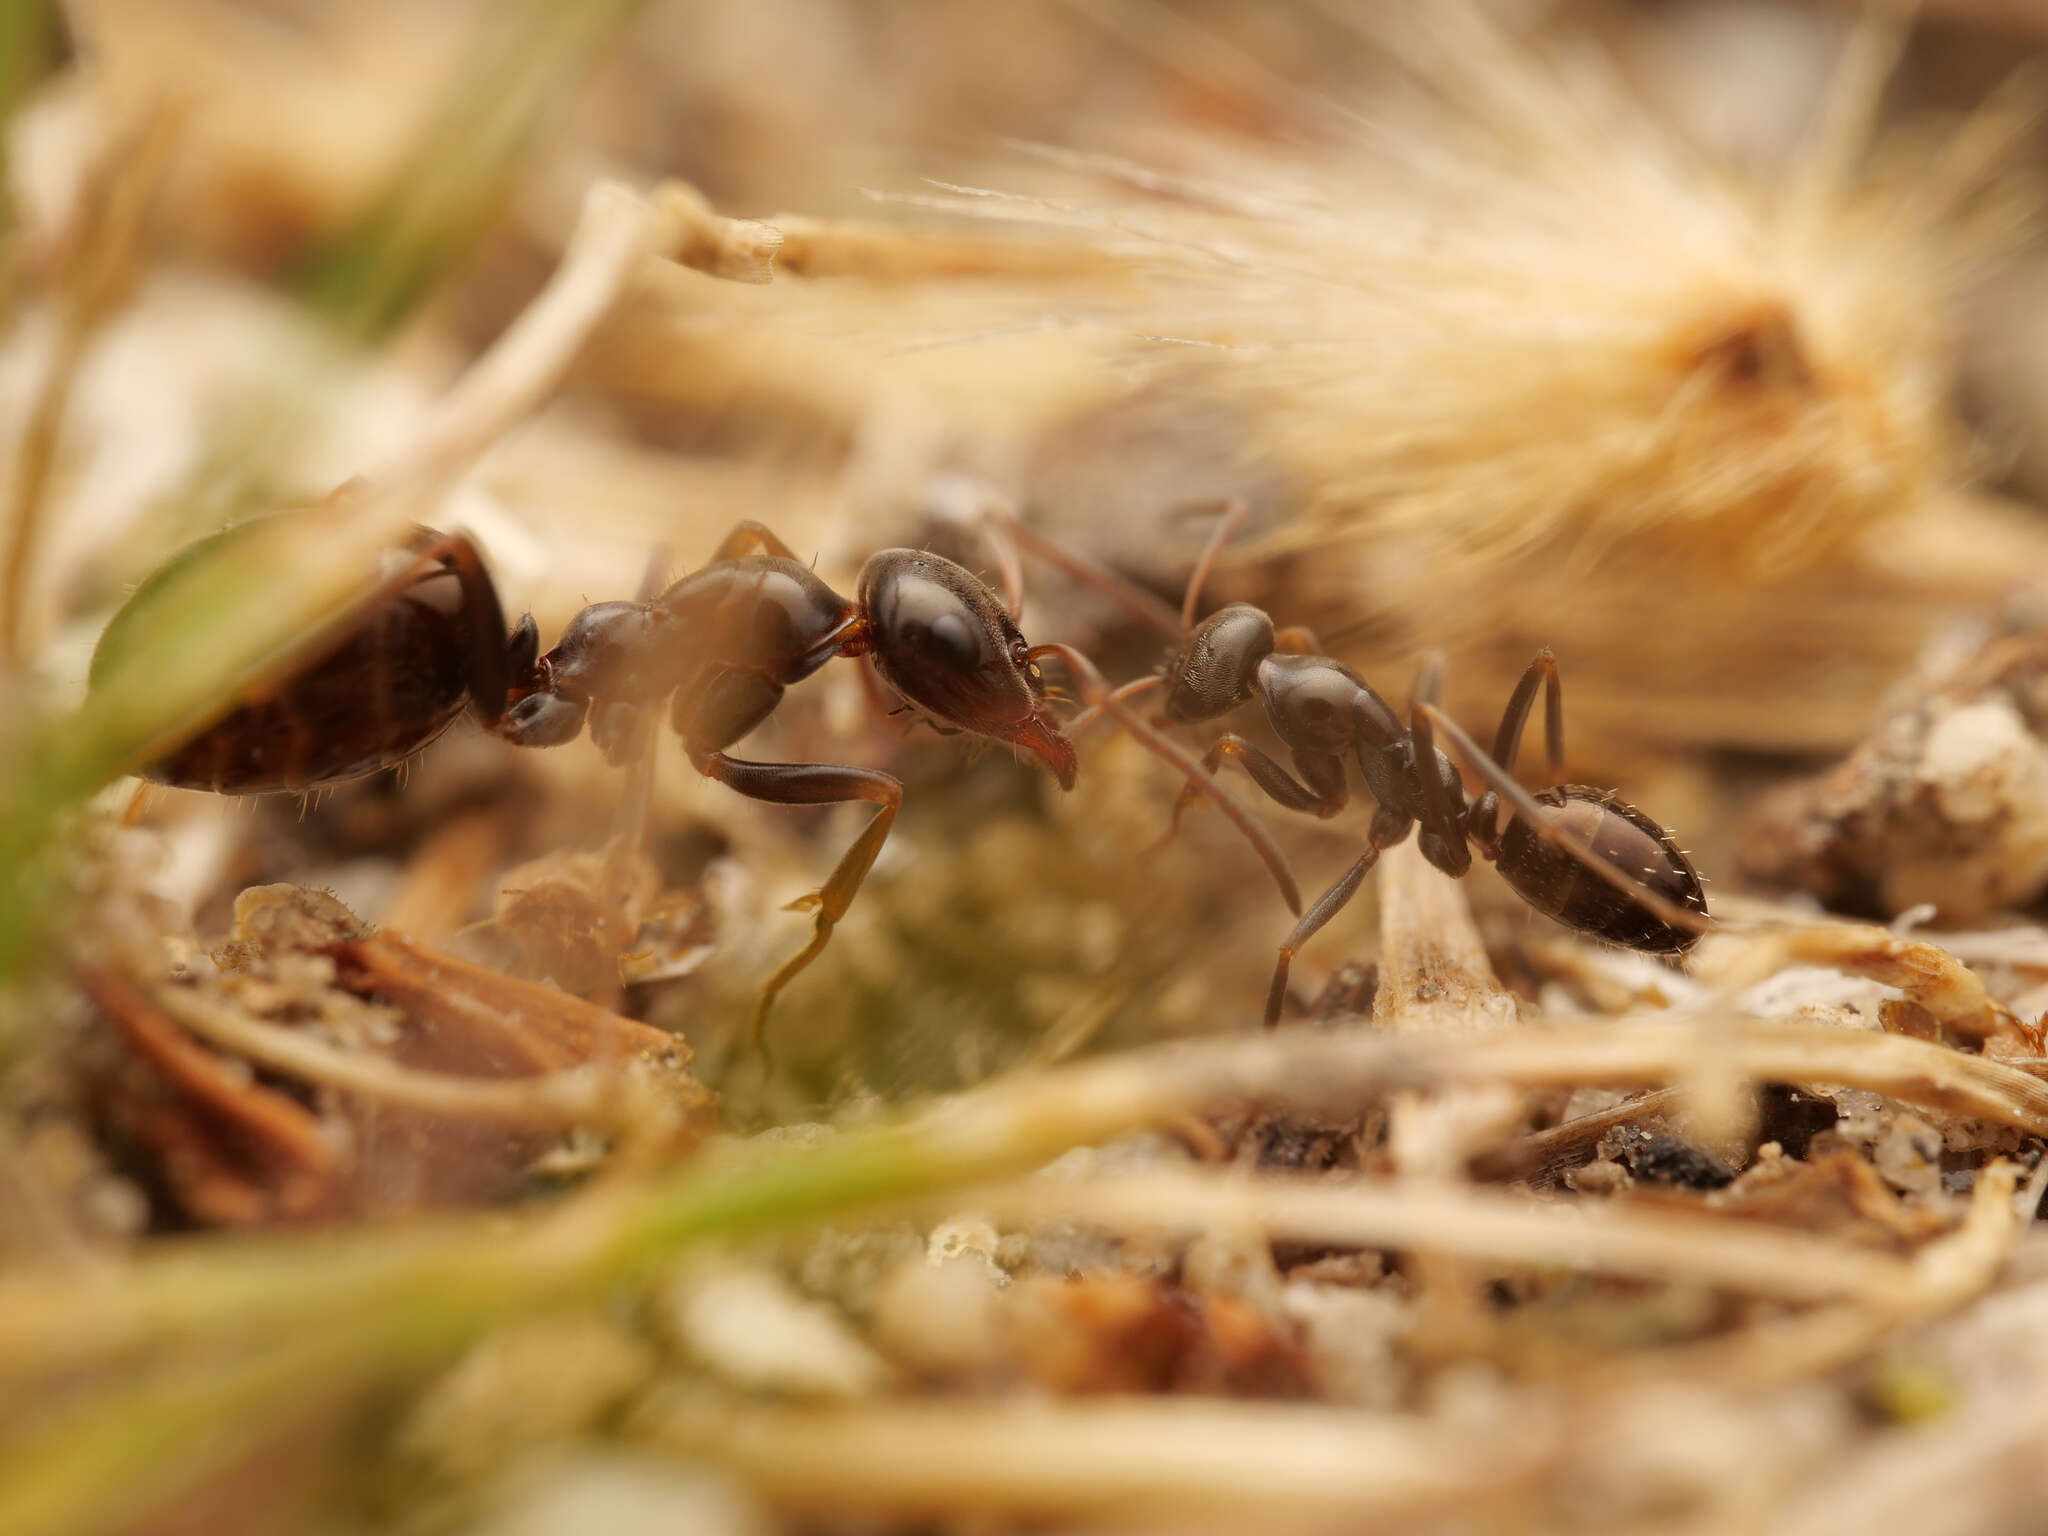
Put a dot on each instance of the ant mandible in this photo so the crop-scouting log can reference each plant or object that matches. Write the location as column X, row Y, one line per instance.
column 1644, row 894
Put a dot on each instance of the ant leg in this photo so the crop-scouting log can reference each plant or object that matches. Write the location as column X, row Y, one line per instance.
column 1442, row 816
column 1098, row 695
column 1134, row 600
column 1127, row 691
column 750, row 538
column 1279, row 785
column 1523, row 804
column 812, row 784
column 488, row 662
column 1327, row 906
column 1507, row 742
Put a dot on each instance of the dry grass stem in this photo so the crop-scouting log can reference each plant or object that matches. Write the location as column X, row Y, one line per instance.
column 1435, row 981
column 1430, row 1216
column 618, row 1096
column 1943, row 1276
column 617, row 231
column 1192, row 1458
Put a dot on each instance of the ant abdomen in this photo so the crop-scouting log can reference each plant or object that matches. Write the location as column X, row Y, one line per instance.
column 398, row 668
column 1610, row 829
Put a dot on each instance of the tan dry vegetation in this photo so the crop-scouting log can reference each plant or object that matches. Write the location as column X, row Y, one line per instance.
column 396, row 1157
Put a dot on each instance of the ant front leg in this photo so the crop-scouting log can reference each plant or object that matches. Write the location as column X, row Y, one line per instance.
column 1441, row 794
column 1388, row 828
column 1325, row 800
column 812, row 784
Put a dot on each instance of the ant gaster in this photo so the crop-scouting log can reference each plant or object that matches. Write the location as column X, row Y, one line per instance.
column 377, row 686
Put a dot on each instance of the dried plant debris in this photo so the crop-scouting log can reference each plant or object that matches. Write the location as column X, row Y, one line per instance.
column 317, row 1070
column 1942, row 806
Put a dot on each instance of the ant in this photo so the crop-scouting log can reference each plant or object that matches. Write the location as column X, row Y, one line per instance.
column 723, row 644
column 1645, row 894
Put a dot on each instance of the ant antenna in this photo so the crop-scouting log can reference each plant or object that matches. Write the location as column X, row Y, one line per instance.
column 1234, row 511
column 1099, row 696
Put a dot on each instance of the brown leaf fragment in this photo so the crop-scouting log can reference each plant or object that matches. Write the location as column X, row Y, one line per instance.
column 1132, row 1333
column 231, row 1151
column 491, row 1023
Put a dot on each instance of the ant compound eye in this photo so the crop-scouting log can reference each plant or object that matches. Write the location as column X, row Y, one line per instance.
column 952, row 640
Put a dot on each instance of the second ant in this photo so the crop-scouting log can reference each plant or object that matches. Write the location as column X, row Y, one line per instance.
column 1575, row 853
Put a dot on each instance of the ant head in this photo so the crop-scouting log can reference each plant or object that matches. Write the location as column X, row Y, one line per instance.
column 941, row 638
column 608, row 653
column 1215, row 673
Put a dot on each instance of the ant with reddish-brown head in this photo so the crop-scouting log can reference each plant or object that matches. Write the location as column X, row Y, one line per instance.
column 1643, row 892
column 720, row 646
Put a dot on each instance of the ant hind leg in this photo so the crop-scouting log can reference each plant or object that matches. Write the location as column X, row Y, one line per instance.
column 812, row 784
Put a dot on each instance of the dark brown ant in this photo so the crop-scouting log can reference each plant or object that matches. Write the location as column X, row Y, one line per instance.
column 723, row 644
column 1643, row 892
